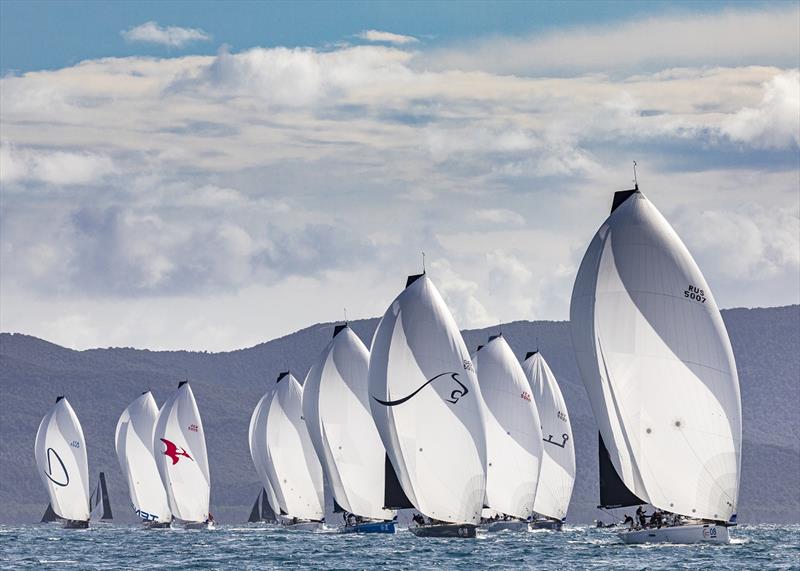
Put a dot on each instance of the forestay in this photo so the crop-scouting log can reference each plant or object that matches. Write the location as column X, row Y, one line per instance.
column 292, row 465
column 557, row 477
column 426, row 403
column 134, row 444
column 657, row 364
column 179, row 447
column 337, row 414
column 62, row 463
column 513, row 431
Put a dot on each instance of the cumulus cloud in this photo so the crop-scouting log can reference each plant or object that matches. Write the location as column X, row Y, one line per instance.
column 21, row 164
column 499, row 216
column 460, row 294
column 169, row 36
column 775, row 122
column 386, row 37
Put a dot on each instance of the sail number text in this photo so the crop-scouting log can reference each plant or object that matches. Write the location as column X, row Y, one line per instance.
column 694, row 292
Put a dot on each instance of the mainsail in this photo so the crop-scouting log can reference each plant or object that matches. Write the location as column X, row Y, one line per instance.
column 134, row 444
column 258, row 451
column 426, row 403
column 262, row 511
column 100, row 502
column 292, row 465
column 337, row 414
column 179, row 447
column 62, row 463
column 557, row 477
column 513, row 431
column 657, row 364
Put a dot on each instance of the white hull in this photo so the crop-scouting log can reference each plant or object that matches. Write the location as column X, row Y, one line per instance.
column 702, row 533
column 507, row 526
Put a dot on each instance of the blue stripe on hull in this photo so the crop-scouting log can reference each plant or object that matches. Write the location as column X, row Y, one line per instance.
column 372, row 527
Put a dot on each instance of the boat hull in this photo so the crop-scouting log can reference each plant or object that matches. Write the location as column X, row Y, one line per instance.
column 371, row 527
column 156, row 525
column 197, row 525
column 551, row 524
column 511, row 525
column 76, row 524
column 462, row 530
column 303, row 526
column 701, row 533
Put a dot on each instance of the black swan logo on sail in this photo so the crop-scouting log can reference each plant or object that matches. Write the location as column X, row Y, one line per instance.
column 455, row 394
column 49, row 473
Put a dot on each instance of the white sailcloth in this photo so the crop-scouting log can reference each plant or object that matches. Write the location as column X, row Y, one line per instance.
column 339, row 421
column 426, row 403
column 258, row 448
column 62, row 462
column 557, row 477
column 657, row 364
column 292, row 465
column 134, row 444
column 179, row 447
column 513, row 431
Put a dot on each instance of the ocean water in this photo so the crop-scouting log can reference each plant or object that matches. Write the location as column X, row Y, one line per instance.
column 262, row 547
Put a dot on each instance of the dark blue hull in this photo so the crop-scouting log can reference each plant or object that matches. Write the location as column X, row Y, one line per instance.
column 371, row 527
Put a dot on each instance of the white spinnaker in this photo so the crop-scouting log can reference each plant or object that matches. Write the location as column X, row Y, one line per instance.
column 426, row 403
column 292, row 465
column 258, row 448
column 62, row 463
column 513, row 431
column 179, row 447
column 658, row 365
column 339, row 421
column 134, row 444
column 557, row 477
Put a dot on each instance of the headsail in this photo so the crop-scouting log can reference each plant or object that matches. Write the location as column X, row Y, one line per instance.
column 134, row 444
column 62, row 462
column 657, row 364
column 258, row 450
column 292, row 465
column 179, row 447
column 557, row 477
column 513, row 431
column 426, row 403
column 100, row 502
column 337, row 414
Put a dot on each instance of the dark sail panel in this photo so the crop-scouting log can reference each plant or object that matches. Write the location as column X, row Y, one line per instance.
column 613, row 491
column 255, row 516
column 49, row 514
column 267, row 513
column 394, row 498
column 621, row 196
column 106, row 501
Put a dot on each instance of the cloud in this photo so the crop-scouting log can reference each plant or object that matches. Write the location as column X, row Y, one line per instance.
column 658, row 42
column 775, row 122
column 386, row 37
column 499, row 216
column 52, row 167
column 460, row 294
column 169, row 36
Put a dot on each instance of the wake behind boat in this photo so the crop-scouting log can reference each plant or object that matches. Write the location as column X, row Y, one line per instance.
column 659, row 370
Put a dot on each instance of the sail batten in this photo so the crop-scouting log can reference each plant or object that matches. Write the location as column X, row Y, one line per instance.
column 657, row 364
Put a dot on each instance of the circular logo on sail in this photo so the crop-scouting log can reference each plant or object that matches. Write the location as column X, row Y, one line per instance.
column 174, row 452
column 56, row 472
column 460, row 391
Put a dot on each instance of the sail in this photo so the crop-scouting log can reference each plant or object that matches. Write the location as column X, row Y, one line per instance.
column 100, row 502
column 62, row 463
column 513, row 431
column 267, row 512
column 179, row 447
column 134, row 444
column 258, row 449
column 557, row 477
column 292, row 465
column 426, row 403
column 657, row 364
column 339, row 421
column 49, row 515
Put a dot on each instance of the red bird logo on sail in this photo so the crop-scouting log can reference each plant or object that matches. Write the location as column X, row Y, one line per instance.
column 173, row 451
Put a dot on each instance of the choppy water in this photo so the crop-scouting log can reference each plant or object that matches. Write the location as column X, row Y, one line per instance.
column 261, row 547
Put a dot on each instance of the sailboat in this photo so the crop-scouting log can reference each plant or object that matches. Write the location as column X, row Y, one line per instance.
column 134, row 445
column 659, row 370
column 513, row 437
column 179, row 448
column 63, row 466
column 337, row 414
column 266, row 506
column 557, row 477
column 262, row 510
column 100, row 504
column 426, row 403
column 292, row 465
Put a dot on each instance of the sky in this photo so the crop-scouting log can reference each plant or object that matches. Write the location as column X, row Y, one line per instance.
column 209, row 176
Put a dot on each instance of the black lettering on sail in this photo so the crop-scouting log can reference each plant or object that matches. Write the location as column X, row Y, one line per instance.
column 49, row 472
column 455, row 394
